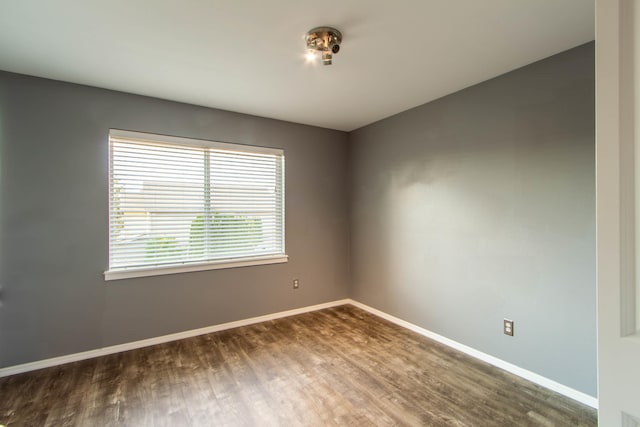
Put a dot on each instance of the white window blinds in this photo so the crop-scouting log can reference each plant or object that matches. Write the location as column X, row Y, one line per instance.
column 180, row 202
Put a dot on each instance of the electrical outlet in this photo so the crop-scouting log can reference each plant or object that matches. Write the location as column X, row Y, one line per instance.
column 507, row 327
column 296, row 283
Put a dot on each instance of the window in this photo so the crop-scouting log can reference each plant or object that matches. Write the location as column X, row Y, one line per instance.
column 179, row 204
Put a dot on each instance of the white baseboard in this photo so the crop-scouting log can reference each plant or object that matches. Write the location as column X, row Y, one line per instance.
column 528, row 375
column 499, row 363
column 55, row 361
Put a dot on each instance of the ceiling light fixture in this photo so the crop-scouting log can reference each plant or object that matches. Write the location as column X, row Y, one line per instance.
column 325, row 40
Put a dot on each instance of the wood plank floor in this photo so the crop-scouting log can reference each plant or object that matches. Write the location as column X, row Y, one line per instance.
column 339, row 366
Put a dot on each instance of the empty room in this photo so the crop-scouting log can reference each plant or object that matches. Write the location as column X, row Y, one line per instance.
column 294, row 213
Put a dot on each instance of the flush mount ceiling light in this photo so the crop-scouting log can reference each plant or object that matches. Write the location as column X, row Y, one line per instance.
column 325, row 40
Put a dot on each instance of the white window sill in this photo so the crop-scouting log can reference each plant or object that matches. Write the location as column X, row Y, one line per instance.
column 212, row 265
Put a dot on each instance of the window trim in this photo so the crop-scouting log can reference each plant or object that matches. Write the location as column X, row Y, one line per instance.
column 186, row 267
column 192, row 267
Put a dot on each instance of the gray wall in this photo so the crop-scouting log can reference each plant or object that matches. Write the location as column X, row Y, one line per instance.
column 480, row 206
column 53, row 222
column 474, row 207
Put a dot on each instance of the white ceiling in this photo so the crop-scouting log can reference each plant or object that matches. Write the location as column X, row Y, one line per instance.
column 247, row 55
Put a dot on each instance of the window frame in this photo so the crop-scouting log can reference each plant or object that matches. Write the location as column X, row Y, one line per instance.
column 156, row 270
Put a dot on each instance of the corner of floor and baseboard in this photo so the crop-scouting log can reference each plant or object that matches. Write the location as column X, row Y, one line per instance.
column 499, row 363
column 90, row 354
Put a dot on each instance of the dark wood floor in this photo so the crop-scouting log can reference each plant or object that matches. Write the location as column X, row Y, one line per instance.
column 339, row 366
